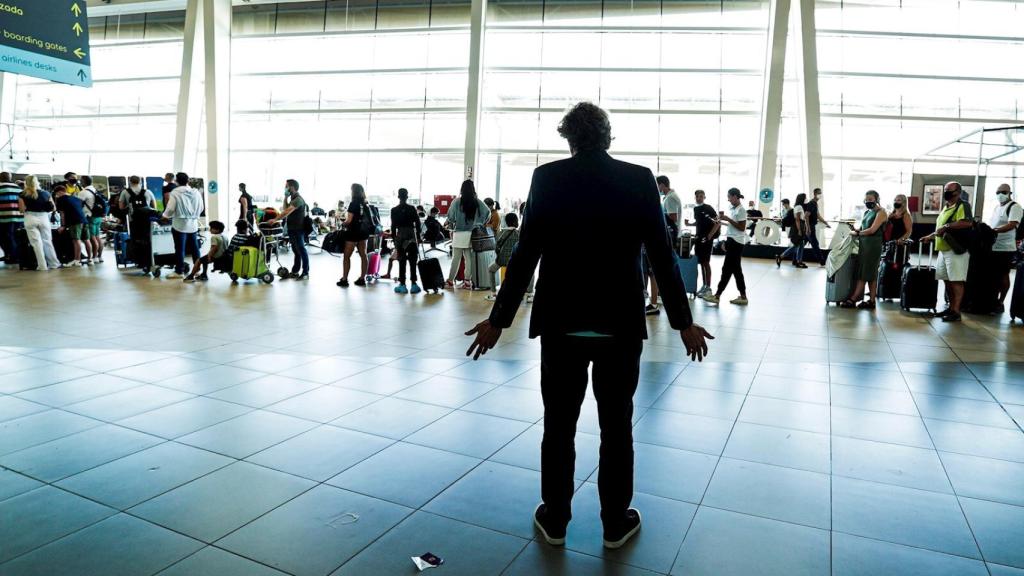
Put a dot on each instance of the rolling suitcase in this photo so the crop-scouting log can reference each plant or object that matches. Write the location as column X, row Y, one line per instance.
column 249, row 262
column 890, row 271
column 26, row 255
column 840, row 284
column 431, row 275
column 688, row 271
column 920, row 287
column 122, row 254
column 64, row 246
column 1017, row 298
column 482, row 279
column 373, row 267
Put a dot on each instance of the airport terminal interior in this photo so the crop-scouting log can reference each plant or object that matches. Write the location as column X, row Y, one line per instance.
column 262, row 423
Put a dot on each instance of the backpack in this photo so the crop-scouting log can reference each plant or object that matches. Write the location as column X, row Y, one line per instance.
column 1019, row 236
column 369, row 223
column 789, row 220
column 99, row 207
column 137, row 202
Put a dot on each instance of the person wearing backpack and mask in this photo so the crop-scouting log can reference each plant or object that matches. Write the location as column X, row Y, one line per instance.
column 95, row 210
column 1005, row 221
column 359, row 226
column 955, row 217
column 294, row 215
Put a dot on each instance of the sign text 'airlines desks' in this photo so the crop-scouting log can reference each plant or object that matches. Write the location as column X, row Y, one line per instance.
column 46, row 39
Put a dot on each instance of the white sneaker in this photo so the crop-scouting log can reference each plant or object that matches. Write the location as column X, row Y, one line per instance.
column 491, row 297
column 529, row 298
column 710, row 298
column 75, row 264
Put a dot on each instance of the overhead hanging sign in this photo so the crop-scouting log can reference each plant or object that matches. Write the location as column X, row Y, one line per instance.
column 46, row 39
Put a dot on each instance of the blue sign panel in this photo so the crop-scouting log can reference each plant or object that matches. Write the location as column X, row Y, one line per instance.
column 46, row 39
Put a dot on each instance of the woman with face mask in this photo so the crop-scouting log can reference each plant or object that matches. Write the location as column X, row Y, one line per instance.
column 901, row 223
column 870, row 238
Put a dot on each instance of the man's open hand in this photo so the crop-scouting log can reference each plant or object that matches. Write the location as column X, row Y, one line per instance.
column 486, row 337
column 695, row 339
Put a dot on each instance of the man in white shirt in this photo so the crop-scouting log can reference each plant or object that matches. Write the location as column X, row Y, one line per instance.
column 735, row 223
column 1004, row 220
column 673, row 206
column 184, row 206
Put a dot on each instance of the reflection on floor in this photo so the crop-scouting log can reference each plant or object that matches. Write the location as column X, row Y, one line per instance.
column 152, row 427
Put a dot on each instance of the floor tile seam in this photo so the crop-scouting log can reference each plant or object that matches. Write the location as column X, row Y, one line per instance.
column 61, row 479
column 1019, row 425
column 93, row 374
column 65, row 406
column 960, row 506
column 718, row 461
column 63, row 436
column 226, row 551
column 73, row 532
column 980, row 558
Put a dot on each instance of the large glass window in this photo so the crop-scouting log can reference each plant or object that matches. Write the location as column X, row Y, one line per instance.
column 681, row 80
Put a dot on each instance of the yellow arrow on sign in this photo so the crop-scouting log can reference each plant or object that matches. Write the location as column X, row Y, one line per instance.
column 78, row 52
column 77, row 28
column 76, row 9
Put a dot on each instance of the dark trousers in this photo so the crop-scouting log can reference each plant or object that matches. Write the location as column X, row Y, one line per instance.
column 8, row 242
column 733, row 266
column 297, row 240
column 815, row 247
column 409, row 254
column 563, row 384
column 184, row 243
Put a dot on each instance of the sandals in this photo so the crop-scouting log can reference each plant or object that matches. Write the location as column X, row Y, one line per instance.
column 847, row 304
column 866, row 305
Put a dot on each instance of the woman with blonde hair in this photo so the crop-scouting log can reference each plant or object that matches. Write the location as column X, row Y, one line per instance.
column 37, row 205
column 901, row 223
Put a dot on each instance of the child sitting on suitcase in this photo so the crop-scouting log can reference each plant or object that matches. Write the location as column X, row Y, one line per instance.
column 504, row 244
column 241, row 238
column 218, row 247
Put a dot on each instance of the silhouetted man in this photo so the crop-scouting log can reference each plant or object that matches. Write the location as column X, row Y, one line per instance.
column 605, row 328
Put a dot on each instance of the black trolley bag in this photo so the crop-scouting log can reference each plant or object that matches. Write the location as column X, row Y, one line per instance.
column 920, row 287
column 890, row 270
column 430, row 273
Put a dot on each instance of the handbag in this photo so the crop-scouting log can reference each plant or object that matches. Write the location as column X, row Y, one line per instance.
column 482, row 239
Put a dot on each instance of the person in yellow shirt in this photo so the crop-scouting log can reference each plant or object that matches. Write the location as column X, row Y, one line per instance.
column 71, row 184
column 953, row 256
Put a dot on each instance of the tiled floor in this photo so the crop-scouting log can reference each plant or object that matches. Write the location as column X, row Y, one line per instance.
column 152, row 427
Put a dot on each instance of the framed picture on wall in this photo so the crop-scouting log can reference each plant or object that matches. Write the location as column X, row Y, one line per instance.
column 932, row 199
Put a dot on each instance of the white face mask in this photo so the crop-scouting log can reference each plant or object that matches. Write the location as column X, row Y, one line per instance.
column 1003, row 197
column 700, row 203
column 136, row 187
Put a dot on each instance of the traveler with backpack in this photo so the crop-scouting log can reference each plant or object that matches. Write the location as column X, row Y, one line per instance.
column 1005, row 221
column 359, row 226
column 72, row 219
column 135, row 197
column 95, row 206
column 796, row 221
column 872, row 230
column 37, row 206
column 464, row 214
column 298, row 226
column 405, row 229
column 951, row 227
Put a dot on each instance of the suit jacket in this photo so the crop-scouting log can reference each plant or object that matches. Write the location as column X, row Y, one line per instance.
column 585, row 222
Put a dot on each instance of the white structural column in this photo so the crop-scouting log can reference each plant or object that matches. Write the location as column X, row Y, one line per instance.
column 190, row 94
column 771, row 99
column 217, row 41
column 7, row 82
column 478, row 20
column 810, row 101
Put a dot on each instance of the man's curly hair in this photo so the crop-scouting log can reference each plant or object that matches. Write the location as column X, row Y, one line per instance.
column 586, row 127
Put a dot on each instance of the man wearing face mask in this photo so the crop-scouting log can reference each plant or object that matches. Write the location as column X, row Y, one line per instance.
column 294, row 216
column 813, row 211
column 1004, row 221
column 952, row 267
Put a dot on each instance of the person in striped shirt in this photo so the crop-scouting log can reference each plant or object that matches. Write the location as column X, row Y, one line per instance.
column 10, row 217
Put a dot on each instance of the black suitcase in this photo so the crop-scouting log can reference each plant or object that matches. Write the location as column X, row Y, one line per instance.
column 26, row 255
column 430, row 274
column 63, row 245
column 890, row 271
column 981, row 292
column 920, row 287
column 1017, row 299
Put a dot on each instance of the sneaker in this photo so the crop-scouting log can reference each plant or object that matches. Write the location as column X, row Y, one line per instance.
column 467, row 285
column 203, row 278
column 652, row 310
column 491, row 297
column 618, row 536
column 415, row 288
column 303, row 276
column 741, row 301
column 529, row 298
column 360, row 282
column 952, row 317
column 188, row 279
column 343, row 283
column 778, row 261
column 75, row 265
column 449, row 285
column 553, row 535
column 401, row 289
column 294, row 275
column 386, row 277
column 710, row 298
column 99, row 260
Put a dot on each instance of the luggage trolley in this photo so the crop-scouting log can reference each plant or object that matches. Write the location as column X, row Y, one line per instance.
column 272, row 235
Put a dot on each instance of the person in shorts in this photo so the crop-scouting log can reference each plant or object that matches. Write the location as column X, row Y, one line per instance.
column 952, row 267
column 705, row 220
column 94, row 218
column 1005, row 219
column 72, row 221
column 218, row 247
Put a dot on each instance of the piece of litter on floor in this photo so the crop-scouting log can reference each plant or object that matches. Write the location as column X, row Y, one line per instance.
column 427, row 560
column 343, row 519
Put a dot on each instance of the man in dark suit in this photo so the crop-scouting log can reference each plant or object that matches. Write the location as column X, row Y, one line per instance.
column 606, row 326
